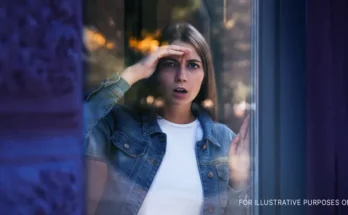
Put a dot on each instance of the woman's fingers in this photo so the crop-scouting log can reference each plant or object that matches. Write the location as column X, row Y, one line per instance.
column 150, row 62
column 241, row 142
column 247, row 139
column 244, row 128
column 169, row 52
column 166, row 51
column 234, row 145
column 178, row 48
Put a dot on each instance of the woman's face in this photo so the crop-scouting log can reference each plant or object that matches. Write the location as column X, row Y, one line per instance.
column 181, row 77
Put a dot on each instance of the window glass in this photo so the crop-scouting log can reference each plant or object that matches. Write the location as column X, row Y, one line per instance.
column 119, row 33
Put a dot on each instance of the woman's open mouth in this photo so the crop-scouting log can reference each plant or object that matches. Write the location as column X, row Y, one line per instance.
column 180, row 92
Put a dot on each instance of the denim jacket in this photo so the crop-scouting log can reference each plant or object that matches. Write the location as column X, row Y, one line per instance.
column 133, row 146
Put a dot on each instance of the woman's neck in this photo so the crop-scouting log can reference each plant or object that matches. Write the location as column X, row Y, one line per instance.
column 178, row 115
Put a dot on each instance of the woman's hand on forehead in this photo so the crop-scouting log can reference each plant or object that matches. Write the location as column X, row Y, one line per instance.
column 147, row 66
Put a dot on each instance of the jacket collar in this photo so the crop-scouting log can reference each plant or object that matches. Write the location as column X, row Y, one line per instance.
column 150, row 124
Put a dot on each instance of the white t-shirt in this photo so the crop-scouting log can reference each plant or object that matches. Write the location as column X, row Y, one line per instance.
column 177, row 187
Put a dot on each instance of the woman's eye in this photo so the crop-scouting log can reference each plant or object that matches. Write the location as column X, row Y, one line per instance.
column 169, row 64
column 193, row 66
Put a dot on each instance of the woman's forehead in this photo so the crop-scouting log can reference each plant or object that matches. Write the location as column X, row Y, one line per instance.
column 193, row 55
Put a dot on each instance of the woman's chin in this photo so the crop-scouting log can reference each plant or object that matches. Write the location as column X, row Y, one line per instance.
column 180, row 104
column 178, row 101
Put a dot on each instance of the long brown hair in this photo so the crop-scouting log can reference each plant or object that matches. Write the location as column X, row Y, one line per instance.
column 185, row 32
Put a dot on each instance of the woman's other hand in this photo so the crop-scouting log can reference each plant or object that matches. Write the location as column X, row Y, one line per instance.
column 239, row 157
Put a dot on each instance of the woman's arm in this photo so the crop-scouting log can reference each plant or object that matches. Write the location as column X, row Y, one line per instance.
column 97, row 132
column 100, row 102
column 97, row 174
column 235, row 204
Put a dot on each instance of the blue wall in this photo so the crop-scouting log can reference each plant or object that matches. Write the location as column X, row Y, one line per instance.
column 282, row 104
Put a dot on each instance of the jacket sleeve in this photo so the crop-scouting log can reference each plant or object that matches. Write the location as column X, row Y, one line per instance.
column 97, row 126
column 235, row 205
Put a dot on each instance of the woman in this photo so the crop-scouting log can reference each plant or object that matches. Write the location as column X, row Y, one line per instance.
column 169, row 157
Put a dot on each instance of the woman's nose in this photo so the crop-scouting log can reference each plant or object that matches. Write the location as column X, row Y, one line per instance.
column 181, row 75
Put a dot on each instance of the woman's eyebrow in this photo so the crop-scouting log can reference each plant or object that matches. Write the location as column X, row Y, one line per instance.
column 169, row 58
column 193, row 61
column 177, row 61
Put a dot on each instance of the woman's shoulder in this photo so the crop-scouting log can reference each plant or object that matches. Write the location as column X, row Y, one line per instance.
column 125, row 111
column 222, row 131
column 129, row 113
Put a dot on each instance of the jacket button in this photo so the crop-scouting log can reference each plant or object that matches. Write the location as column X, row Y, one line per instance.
column 210, row 174
column 204, row 147
column 211, row 209
column 126, row 145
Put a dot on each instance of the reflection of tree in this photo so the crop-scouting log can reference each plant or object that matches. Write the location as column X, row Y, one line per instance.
column 101, row 57
column 103, row 40
column 182, row 12
column 236, row 51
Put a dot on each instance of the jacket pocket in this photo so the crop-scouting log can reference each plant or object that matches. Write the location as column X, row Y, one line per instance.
column 126, row 156
column 224, row 175
column 128, row 144
column 223, row 171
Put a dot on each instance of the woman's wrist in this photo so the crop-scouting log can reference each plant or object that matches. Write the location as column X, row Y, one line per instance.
column 131, row 75
column 238, row 184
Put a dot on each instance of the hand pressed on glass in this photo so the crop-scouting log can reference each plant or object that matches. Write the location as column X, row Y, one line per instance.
column 239, row 157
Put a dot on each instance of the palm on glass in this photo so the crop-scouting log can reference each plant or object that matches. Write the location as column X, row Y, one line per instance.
column 239, row 157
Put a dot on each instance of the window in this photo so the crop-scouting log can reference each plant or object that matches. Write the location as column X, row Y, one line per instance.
column 118, row 32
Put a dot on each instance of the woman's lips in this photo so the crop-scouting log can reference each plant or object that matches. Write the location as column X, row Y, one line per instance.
column 180, row 90
column 180, row 95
